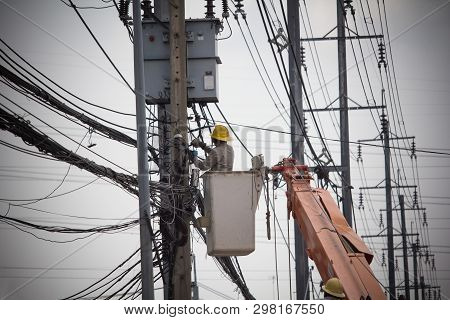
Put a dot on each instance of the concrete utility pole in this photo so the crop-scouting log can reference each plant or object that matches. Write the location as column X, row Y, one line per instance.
column 178, row 111
column 401, row 200
column 343, row 107
column 422, row 287
column 164, row 177
column 297, row 139
column 388, row 186
column 195, row 295
column 143, row 175
column 416, row 282
column 161, row 12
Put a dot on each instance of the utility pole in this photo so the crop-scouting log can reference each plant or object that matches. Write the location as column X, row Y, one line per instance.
column 165, row 213
column 143, row 175
column 416, row 282
column 181, row 275
column 422, row 287
column 385, row 138
column 195, row 295
column 343, row 106
column 161, row 12
column 312, row 283
column 401, row 199
column 341, row 38
column 390, row 229
column 297, row 139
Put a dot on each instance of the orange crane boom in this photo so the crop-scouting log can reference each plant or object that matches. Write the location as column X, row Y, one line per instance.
column 334, row 247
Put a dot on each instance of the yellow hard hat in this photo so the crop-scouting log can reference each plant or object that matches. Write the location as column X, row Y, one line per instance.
column 220, row 133
column 334, row 287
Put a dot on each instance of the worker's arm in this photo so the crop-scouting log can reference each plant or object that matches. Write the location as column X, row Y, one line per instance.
column 199, row 144
column 205, row 147
column 208, row 163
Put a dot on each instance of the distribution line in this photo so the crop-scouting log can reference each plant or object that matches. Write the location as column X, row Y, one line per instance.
column 57, row 262
column 87, row 7
column 62, row 42
column 66, row 136
column 264, row 66
column 392, row 98
column 390, row 72
column 259, row 72
column 33, row 88
column 398, row 36
column 58, row 85
column 288, row 87
column 100, row 46
column 337, row 140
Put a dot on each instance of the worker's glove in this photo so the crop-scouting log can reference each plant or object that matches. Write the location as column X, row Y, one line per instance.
column 192, row 155
column 195, row 143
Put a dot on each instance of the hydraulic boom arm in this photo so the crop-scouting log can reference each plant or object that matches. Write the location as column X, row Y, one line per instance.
column 334, row 247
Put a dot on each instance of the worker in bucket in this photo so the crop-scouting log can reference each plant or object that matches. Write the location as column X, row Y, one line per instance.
column 333, row 290
column 219, row 158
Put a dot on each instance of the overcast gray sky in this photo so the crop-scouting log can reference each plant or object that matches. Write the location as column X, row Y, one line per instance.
column 52, row 38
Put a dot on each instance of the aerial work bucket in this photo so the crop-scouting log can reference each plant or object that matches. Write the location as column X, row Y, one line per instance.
column 231, row 199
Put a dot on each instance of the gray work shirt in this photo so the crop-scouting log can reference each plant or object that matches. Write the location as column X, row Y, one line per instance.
column 220, row 158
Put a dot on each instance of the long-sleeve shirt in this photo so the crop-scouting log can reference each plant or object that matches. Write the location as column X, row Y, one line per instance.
column 220, row 158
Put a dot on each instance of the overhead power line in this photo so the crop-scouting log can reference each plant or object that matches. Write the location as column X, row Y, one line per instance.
column 425, row 150
column 100, row 46
column 46, row 145
column 87, row 7
column 23, row 129
column 58, row 85
column 55, row 103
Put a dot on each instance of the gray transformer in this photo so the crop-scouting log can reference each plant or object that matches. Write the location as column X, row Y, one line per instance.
column 202, row 60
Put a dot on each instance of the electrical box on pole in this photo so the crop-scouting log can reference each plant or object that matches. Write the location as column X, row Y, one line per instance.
column 202, row 60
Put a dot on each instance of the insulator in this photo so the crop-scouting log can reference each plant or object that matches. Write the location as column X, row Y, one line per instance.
column 382, row 55
column 383, row 260
column 413, row 150
column 359, row 150
column 384, row 125
column 425, row 222
column 147, row 7
column 124, row 7
column 209, row 14
column 415, row 202
column 348, row 5
column 417, row 241
column 239, row 5
column 429, row 293
column 384, row 122
column 433, row 264
column 361, row 201
column 396, row 264
column 381, row 221
column 434, row 294
column 302, row 57
column 225, row 12
column 427, row 256
column 121, row 7
column 239, row 9
column 439, row 293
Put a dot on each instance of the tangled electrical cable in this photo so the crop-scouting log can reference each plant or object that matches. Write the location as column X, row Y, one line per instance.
column 22, row 128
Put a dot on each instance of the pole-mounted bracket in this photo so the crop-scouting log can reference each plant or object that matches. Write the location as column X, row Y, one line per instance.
column 280, row 40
